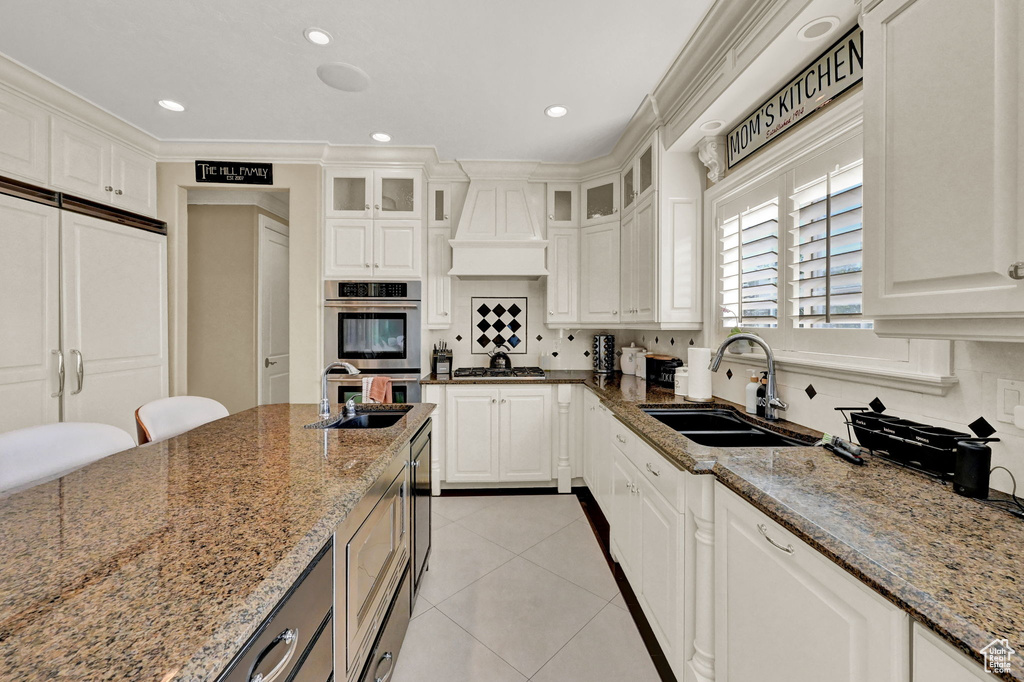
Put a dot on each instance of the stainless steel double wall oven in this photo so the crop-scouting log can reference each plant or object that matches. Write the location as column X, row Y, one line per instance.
column 374, row 326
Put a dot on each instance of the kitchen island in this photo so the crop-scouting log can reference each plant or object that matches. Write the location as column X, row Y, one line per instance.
column 159, row 562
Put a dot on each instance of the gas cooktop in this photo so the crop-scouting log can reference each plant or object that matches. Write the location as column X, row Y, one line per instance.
column 488, row 373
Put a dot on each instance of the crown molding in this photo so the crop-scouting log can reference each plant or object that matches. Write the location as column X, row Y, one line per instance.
column 731, row 36
column 60, row 101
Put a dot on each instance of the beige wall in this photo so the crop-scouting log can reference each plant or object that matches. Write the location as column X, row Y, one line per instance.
column 305, row 220
column 222, row 286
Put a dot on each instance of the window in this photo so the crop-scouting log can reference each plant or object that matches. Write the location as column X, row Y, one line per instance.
column 750, row 267
column 827, row 250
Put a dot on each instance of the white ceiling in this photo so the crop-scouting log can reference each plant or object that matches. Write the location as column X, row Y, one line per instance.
column 471, row 77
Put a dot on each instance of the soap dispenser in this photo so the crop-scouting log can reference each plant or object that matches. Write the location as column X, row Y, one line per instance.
column 751, row 393
column 762, row 391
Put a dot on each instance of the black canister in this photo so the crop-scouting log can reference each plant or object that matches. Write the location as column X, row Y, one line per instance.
column 973, row 464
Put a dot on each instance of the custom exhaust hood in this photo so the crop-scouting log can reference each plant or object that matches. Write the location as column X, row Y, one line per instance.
column 498, row 236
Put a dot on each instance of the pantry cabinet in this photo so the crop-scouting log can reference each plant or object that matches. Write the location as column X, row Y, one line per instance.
column 945, row 258
column 87, row 164
column 563, row 263
column 784, row 613
column 638, row 263
column 439, row 283
column 600, row 199
column 498, row 434
column 373, row 248
column 24, row 139
column 599, row 273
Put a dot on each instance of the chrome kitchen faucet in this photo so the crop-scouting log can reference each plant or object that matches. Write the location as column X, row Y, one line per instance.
column 772, row 403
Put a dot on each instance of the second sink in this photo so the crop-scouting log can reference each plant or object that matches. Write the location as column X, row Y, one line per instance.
column 720, row 429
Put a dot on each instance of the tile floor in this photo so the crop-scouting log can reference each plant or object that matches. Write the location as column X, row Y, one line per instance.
column 519, row 589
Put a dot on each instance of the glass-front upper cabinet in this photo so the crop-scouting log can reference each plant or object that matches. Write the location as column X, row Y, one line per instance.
column 349, row 193
column 439, row 204
column 396, row 194
column 638, row 179
column 600, row 200
column 628, row 188
column 563, row 205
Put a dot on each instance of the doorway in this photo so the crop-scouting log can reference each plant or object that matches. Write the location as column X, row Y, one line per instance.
column 238, row 304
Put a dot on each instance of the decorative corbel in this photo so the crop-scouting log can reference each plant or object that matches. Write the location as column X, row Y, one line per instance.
column 711, row 151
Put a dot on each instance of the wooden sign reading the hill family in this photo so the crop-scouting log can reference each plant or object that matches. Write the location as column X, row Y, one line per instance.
column 235, row 172
column 839, row 68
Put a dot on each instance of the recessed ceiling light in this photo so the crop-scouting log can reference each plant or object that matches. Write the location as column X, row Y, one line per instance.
column 556, row 111
column 381, row 137
column 818, row 29
column 171, row 105
column 341, row 76
column 317, row 36
column 711, row 126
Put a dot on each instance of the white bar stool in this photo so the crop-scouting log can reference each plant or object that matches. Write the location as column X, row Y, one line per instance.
column 167, row 417
column 38, row 454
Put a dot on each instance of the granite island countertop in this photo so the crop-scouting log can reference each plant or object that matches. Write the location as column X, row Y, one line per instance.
column 157, row 563
column 956, row 565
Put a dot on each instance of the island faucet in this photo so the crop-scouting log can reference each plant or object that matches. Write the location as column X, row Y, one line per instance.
column 772, row 403
column 325, row 402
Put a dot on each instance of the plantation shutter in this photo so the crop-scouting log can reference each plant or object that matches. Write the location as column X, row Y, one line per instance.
column 827, row 249
column 750, row 266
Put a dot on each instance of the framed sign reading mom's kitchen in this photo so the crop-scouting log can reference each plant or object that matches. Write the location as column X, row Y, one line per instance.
column 839, row 68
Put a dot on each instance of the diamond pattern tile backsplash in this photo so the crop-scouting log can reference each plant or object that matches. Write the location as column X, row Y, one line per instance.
column 497, row 322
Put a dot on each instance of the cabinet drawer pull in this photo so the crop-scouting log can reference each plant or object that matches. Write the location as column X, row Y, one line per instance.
column 383, row 659
column 653, row 471
column 788, row 549
column 60, row 374
column 79, row 370
column 620, row 439
column 290, row 637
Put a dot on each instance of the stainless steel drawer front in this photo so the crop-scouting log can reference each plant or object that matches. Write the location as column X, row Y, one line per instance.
column 319, row 663
column 288, row 632
column 382, row 660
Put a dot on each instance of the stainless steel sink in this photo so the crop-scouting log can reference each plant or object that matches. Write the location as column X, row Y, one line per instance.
column 363, row 419
column 721, row 429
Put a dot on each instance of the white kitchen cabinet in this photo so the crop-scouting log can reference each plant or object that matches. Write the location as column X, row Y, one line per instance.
column 439, row 207
column 563, row 262
column 471, row 423
column 784, row 613
column 397, row 248
column 625, row 517
column 639, row 178
column 372, row 248
column 600, row 200
column 599, row 273
column 498, row 434
column 944, row 211
column 936, row 661
column 349, row 193
column 563, row 205
column 660, row 559
column 524, row 433
column 638, row 262
column 114, row 317
column 348, row 248
column 30, row 310
column 439, row 283
column 597, row 451
column 396, row 194
column 87, row 164
column 24, row 139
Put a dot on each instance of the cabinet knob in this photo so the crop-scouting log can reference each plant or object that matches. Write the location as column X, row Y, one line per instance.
column 551, row 216
column 108, row 188
column 615, row 312
column 1016, row 270
column 494, row 400
column 551, row 312
column 366, row 265
column 376, row 265
column 377, row 206
column 615, row 210
column 446, row 216
column 118, row 192
column 367, row 207
column 445, row 314
column 503, row 400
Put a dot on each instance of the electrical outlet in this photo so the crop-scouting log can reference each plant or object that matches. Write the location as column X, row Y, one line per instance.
column 1009, row 394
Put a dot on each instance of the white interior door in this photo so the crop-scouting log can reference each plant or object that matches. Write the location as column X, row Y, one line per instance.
column 273, row 356
column 29, row 313
column 114, row 314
